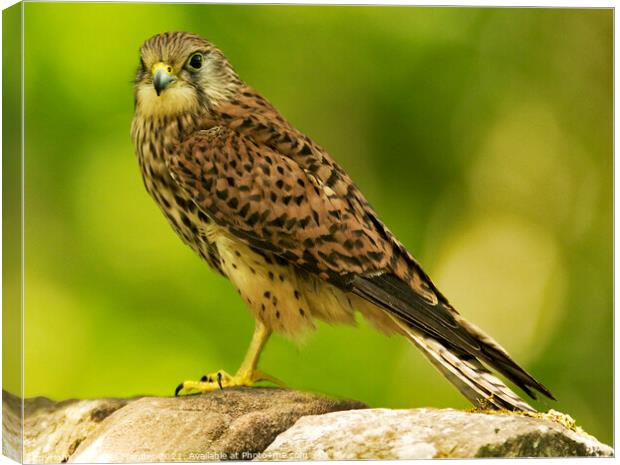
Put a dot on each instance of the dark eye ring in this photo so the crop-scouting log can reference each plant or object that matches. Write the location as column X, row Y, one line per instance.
column 195, row 61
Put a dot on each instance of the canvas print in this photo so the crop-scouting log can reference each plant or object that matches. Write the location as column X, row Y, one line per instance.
column 297, row 233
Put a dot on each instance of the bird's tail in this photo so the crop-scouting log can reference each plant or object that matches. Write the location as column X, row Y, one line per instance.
column 466, row 373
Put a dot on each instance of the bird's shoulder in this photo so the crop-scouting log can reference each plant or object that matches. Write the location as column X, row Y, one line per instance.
column 273, row 204
column 256, row 119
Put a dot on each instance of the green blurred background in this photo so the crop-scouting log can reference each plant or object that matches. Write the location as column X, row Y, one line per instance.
column 483, row 137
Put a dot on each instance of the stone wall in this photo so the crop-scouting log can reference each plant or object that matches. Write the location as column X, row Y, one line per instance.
column 274, row 424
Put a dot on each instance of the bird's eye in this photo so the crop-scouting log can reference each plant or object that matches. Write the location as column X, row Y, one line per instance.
column 195, row 61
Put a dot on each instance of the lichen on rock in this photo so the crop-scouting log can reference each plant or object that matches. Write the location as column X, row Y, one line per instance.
column 432, row 433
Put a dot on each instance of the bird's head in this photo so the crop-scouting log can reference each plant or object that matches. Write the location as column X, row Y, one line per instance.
column 182, row 72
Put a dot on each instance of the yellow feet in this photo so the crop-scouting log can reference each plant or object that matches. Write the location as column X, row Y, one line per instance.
column 247, row 375
column 221, row 380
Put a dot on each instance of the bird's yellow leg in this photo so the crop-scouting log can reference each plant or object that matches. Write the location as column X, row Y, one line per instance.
column 247, row 374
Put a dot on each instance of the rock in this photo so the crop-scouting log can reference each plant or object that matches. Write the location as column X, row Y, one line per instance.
column 430, row 433
column 11, row 427
column 230, row 424
column 233, row 423
column 52, row 430
column 274, row 424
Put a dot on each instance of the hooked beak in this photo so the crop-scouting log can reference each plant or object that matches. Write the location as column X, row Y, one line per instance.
column 162, row 76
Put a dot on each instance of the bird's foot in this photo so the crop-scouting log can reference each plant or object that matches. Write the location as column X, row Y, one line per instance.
column 220, row 380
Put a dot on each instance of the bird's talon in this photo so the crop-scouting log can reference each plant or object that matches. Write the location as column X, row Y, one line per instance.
column 178, row 389
column 221, row 380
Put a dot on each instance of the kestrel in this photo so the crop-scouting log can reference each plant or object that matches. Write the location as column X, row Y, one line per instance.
column 270, row 210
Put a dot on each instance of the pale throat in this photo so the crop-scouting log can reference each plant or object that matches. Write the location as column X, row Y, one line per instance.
column 171, row 102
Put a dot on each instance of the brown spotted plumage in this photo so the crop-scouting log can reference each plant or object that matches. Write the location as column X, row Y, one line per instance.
column 270, row 209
